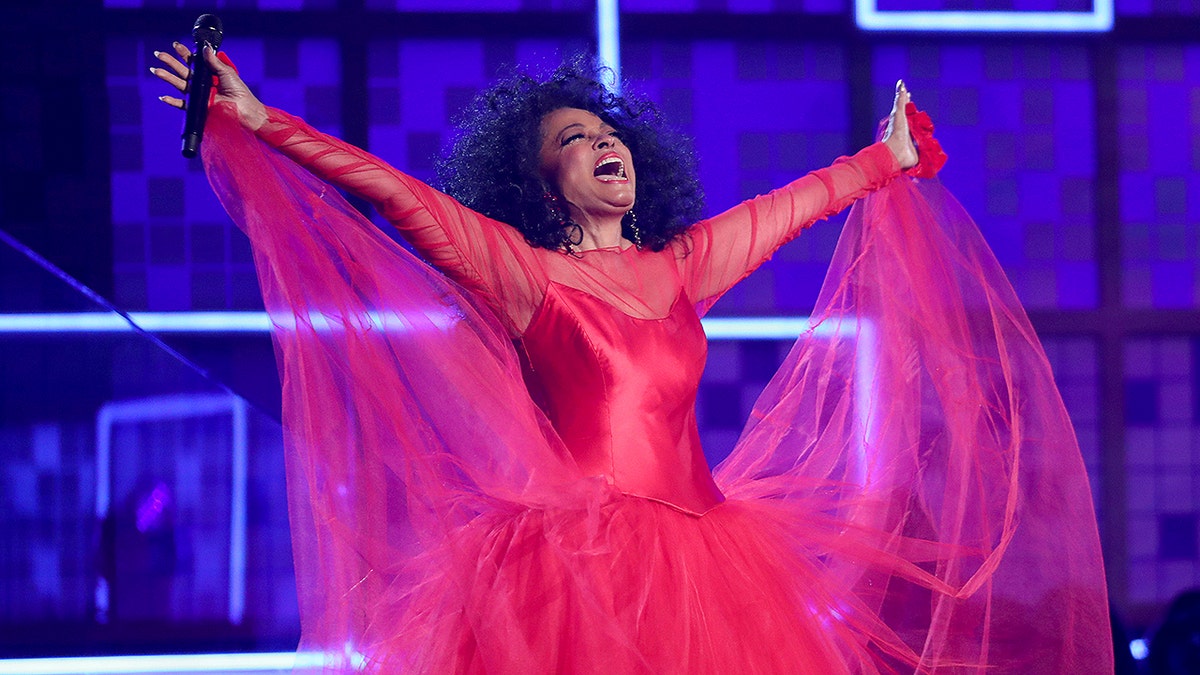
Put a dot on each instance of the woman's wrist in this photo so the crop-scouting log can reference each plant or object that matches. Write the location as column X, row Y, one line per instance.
column 903, row 150
column 253, row 117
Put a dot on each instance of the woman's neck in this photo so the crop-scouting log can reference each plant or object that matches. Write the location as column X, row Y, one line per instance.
column 601, row 233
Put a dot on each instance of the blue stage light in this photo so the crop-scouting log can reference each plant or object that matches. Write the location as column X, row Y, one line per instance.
column 1140, row 649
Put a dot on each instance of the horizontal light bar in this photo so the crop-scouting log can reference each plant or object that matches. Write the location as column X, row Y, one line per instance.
column 198, row 322
column 755, row 328
column 208, row 663
column 155, row 322
column 165, row 663
column 1100, row 19
column 717, row 328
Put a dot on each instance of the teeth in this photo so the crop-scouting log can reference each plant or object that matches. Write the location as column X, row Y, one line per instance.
column 620, row 173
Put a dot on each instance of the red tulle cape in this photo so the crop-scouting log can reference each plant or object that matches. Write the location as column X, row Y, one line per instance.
column 907, row 496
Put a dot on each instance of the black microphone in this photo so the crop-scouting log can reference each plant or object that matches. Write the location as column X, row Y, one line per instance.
column 207, row 31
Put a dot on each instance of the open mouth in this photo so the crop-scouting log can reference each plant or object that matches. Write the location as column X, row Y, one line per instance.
column 610, row 169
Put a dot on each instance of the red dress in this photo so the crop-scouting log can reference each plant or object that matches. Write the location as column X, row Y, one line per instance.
column 907, row 495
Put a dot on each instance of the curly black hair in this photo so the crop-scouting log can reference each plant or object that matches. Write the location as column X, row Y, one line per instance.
column 492, row 165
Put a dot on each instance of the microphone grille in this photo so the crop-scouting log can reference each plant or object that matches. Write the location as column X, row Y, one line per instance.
column 208, row 29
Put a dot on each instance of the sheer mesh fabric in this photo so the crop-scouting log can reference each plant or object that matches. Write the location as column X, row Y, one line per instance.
column 907, row 495
column 492, row 260
column 923, row 405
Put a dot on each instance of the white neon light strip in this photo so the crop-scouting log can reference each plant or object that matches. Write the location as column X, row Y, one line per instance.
column 237, row 513
column 167, row 663
column 155, row 322
column 608, row 38
column 211, row 322
column 202, row 663
column 1100, row 19
column 717, row 328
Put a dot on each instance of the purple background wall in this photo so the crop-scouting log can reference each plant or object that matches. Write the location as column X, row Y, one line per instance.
column 1077, row 156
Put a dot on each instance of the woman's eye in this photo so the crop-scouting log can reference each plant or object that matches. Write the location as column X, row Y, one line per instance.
column 571, row 139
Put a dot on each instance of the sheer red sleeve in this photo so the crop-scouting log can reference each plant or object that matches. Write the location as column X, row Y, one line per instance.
column 724, row 249
column 490, row 258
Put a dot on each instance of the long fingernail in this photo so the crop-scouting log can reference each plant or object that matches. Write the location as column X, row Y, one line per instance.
column 899, row 85
column 153, row 71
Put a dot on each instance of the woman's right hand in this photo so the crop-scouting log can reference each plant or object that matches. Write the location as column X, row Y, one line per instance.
column 230, row 86
column 897, row 135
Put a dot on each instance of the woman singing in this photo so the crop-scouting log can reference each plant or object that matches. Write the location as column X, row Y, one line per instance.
column 906, row 497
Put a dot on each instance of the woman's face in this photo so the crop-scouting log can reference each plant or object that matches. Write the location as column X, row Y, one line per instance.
column 586, row 162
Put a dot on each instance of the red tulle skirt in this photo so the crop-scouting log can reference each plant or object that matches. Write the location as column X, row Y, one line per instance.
column 908, row 495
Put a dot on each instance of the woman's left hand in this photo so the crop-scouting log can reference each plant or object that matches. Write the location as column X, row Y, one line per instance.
column 896, row 136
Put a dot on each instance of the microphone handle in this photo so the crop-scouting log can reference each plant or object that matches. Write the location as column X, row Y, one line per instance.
column 199, row 87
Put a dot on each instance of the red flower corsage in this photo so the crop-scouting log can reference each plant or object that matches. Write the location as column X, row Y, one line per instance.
column 930, row 153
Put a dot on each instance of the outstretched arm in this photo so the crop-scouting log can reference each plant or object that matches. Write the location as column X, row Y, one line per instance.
column 726, row 248
column 490, row 258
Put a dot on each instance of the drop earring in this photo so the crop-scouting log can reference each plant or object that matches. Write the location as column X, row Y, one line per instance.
column 635, row 233
column 562, row 220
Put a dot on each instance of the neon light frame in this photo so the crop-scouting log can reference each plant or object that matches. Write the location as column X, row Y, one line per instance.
column 869, row 17
column 176, row 407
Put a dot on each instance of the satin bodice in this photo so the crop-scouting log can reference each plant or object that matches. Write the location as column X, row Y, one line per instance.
column 613, row 341
column 621, row 391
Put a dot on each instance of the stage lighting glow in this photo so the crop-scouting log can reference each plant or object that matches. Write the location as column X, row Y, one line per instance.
column 208, row 322
column 165, row 663
column 754, row 328
column 155, row 322
column 869, row 17
column 1140, row 649
column 717, row 328
column 608, row 38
